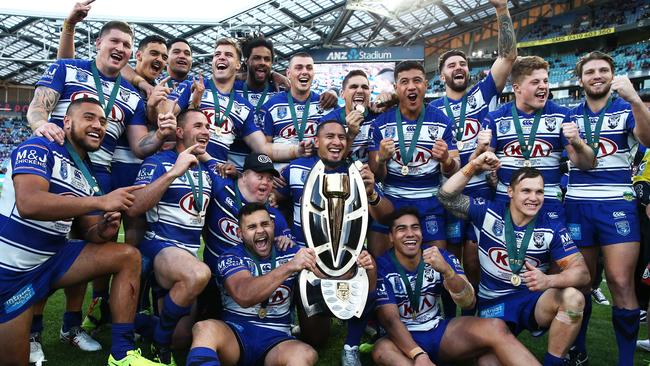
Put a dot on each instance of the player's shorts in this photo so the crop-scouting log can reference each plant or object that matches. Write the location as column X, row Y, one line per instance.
column 20, row 290
column 430, row 340
column 432, row 217
column 602, row 223
column 516, row 309
column 255, row 342
column 123, row 174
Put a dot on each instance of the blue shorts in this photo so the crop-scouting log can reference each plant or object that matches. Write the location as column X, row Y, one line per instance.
column 430, row 340
column 20, row 290
column 149, row 250
column 432, row 217
column 517, row 310
column 255, row 342
column 602, row 223
column 123, row 174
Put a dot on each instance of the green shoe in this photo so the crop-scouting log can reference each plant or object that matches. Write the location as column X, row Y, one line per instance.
column 94, row 317
column 366, row 347
column 133, row 358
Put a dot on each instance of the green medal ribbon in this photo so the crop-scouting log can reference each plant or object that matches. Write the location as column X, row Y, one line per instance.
column 460, row 126
column 238, row 201
column 300, row 130
column 100, row 90
column 219, row 119
column 593, row 138
column 517, row 255
column 197, row 194
column 81, row 165
column 170, row 83
column 408, row 155
column 526, row 148
column 262, row 97
column 414, row 296
column 265, row 303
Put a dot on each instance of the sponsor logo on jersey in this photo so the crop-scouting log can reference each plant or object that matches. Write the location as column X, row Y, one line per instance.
column 188, row 206
column 606, row 147
column 32, row 155
column 282, row 112
column 499, row 256
column 48, row 75
column 472, row 128
column 550, row 123
column 281, row 295
column 227, row 125
column 497, row 228
column 574, row 230
column 427, row 302
column 538, row 240
column 63, row 170
column 495, row 311
column 289, row 131
column 19, row 299
column 504, row 125
column 618, row 214
column 612, row 121
column 421, row 157
column 230, row 229
column 431, row 224
column 81, row 76
column 541, row 148
column 623, row 227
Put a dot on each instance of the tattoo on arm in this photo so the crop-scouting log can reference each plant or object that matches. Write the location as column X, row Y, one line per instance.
column 43, row 103
column 507, row 42
column 566, row 262
column 148, row 143
column 456, row 203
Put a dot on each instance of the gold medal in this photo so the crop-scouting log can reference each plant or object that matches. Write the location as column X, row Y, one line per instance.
column 217, row 130
column 405, row 170
column 595, row 145
column 460, row 145
column 359, row 108
column 527, row 163
column 262, row 313
column 96, row 189
column 515, row 280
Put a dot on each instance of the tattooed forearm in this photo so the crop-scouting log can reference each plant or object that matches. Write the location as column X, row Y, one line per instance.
column 456, row 203
column 148, row 145
column 507, row 41
column 41, row 106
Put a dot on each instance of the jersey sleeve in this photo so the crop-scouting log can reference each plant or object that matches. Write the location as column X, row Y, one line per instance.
column 488, row 123
column 562, row 244
column 376, row 136
column 229, row 264
column 453, row 262
column 139, row 115
column 286, row 190
column 54, row 76
column 488, row 88
column 34, row 158
column 150, row 170
column 182, row 94
column 477, row 209
column 384, row 291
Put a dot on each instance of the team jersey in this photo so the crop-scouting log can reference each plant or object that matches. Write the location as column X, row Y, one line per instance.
column 363, row 140
column 222, row 225
column 173, row 84
column 423, row 179
column 611, row 179
column 175, row 218
column 278, row 316
column 25, row 244
column 547, row 150
column 239, row 148
column 479, row 98
column 391, row 290
column 239, row 123
column 550, row 241
column 123, row 153
column 73, row 79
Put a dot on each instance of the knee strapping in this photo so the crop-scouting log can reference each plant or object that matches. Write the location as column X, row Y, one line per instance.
column 569, row 316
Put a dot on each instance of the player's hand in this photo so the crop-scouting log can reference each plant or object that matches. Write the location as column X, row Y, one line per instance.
column 440, row 150
column 184, row 161
column 368, row 179
column 571, row 133
column 535, row 279
column 487, row 161
column 167, row 124
column 354, row 119
column 305, row 148
column 51, row 132
column 434, row 258
column 283, row 242
column 158, row 93
column 109, row 225
column 198, row 87
column 498, row 4
column 423, row 360
column 384, row 101
column 328, row 100
column 386, row 150
column 79, row 12
column 492, row 179
column 273, row 200
column 279, row 182
column 483, row 140
column 227, row 170
column 623, row 86
column 118, row 200
column 304, row 259
column 365, row 261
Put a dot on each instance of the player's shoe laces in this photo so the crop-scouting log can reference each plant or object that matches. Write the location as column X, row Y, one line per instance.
column 576, row 358
column 643, row 344
column 643, row 316
column 97, row 315
column 36, row 355
column 350, row 356
column 133, row 358
column 163, row 355
column 599, row 297
column 79, row 338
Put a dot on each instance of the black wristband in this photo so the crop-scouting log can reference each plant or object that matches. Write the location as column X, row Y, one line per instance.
column 418, row 355
column 376, row 201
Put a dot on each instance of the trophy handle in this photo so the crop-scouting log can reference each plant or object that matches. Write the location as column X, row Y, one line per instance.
column 304, row 277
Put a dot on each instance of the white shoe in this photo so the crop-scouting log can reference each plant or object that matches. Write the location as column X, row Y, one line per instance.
column 350, row 356
column 599, row 297
column 36, row 355
column 643, row 344
column 295, row 330
column 79, row 338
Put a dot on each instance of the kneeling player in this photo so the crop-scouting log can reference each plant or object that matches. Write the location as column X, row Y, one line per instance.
column 516, row 244
column 257, row 286
column 408, row 288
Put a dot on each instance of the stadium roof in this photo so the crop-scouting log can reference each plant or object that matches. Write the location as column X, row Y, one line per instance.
column 29, row 43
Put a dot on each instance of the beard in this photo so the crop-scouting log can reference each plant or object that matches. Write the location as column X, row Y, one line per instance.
column 81, row 141
column 451, row 83
column 252, row 76
column 599, row 95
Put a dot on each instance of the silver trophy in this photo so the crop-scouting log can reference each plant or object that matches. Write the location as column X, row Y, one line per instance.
column 334, row 214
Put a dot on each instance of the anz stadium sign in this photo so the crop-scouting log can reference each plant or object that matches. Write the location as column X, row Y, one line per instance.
column 367, row 54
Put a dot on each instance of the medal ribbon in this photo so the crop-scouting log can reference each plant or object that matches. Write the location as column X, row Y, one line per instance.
column 460, row 126
column 264, row 303
column 81, row 165
column 517, row 255
column 197, row 194
column 526, row 148
column 414, row 296
column 170, row 83
column 408, row 155
column 238, row 202
column 219, row 119
column 262, row 97
column 108, row 106
column 300, row 130
column 593, row 138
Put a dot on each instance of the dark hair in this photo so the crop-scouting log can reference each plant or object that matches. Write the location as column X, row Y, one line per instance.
column 171, row 42
column 595, row 55
column 247, row 48
column 299, row 54
column 524, row 173
column 153, row 38
column 443, row 58
column 403, row 211
column 407, row 65
column 351, row 74
column 182, row 116
column 116, row 24
column 524, row 66
column 77, row 102
column 249, row 208
column 321, row 125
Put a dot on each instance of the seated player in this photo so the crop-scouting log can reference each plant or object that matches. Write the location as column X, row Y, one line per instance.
column 516, row 243
column 416, row 332
column 257, row 287
column 51, row 190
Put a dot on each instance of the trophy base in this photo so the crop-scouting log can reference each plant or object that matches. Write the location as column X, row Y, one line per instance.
column 344, row 298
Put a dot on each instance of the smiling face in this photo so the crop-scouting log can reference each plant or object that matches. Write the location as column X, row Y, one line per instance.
column 531, row 92
column 193, row 128
column 455, row 73
column 225, row 63
column 259, row 184
column 301, row 74
column 85, row 126
column 259, row 64
column 411, row 86
column 596, row 78
column 113, row 51
column 356, row 92
column 406, row 236
column 180, row 59
column 256, row 232
column 331, row 142
column 151, row 61
column 527, row 197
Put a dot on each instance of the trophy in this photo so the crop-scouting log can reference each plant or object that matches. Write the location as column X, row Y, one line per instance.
column 334, row 214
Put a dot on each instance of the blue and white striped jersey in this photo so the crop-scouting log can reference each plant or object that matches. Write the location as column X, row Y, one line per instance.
column 363, row 140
